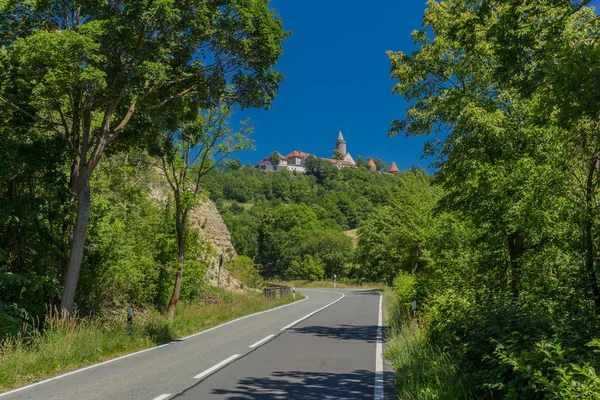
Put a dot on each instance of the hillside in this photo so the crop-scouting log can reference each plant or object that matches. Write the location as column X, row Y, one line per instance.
column 293, row 225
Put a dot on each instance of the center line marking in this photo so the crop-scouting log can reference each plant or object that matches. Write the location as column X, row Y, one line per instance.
column 216, row 367
column 163, row 396
column 261, row 341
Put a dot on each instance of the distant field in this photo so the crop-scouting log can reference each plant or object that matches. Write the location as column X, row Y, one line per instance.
column 353, row 234
column 329, row 284
column 246, row 206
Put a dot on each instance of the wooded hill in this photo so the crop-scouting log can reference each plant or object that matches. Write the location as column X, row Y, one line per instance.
column 292, row 225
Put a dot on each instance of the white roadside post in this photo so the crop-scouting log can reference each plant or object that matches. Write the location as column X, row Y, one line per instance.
column 334, row 281
column 293, row 293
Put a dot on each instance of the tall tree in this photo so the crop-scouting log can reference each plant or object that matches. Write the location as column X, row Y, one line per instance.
column 86, row 71
column 490, row 149
column 188, row 155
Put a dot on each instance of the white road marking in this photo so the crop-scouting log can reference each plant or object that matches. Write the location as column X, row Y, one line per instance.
column 163, row 396
column 261, row 341
column 314, row 312
column 241, row 318
column 216, row 367
column 145, row 350
column 378, row 395
column 81, row 370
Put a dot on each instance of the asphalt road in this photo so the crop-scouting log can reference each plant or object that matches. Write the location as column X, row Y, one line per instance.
column 327, row 346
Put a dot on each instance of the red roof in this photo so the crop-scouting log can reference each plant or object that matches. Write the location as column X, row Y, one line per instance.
column 371, row 163
column 297, row 153
column 393, row 168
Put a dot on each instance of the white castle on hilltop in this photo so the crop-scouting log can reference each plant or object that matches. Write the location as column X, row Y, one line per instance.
column 295, row 161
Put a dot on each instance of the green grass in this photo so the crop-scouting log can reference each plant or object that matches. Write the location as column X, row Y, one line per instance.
column 353, row 234
column 423, row 370
column 68, row 344
column 246, row 206
column 329, row 284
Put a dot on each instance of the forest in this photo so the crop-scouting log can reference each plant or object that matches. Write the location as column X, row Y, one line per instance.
column 112, row 132
column 505, row 241
column 293, row 225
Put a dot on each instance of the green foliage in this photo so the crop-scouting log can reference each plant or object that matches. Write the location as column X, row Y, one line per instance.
column 111, row 77
column 321, row 169
column 284, row 216
column 243, row 268
column 338, row 155
column 392, row 238
column 424, row 370
column 69, row 343
column 507, row 285
column 274, row 158
column 310, row 269
column 404, row 288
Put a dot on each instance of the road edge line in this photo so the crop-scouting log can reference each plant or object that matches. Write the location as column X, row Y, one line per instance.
column 241, row 318
column 378, row 391
column 143, row 351
column 81, row 370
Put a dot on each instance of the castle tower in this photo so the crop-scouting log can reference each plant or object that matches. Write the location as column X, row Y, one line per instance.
column 393, row 169
column 340, row 143
column 372, row 165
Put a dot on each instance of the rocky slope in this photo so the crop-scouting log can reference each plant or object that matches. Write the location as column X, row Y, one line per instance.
column 213, row 232
column 206, row 218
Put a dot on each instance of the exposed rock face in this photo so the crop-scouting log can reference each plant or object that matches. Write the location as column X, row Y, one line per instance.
column 206, row 218
column 213, row 232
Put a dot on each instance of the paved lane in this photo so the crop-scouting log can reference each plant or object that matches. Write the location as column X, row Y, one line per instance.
column 171, row 369
column 331, row 355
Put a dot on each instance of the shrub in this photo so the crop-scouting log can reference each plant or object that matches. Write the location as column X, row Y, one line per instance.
column 243, row 268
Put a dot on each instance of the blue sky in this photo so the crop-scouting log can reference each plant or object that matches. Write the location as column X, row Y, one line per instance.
column 337, row 75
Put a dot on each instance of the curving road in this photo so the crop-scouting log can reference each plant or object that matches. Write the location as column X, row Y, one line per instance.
column 327, row 346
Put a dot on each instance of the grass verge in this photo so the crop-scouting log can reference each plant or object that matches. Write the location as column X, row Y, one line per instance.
column 423, row 370
column 67, row 344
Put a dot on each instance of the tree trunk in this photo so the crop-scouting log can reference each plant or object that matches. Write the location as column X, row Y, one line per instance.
column 181, row 256
column 78, row 242
column 515, row 250
column 415, row 261
column 588, row 225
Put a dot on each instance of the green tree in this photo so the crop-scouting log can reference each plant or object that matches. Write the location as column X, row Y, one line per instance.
column 338, row 155
column 187, row 156
column 274, row 158
column 310, row 268
column 393, row 237
column 381, row 165
column 323, row 170
column 233, row 165
column 143, row 67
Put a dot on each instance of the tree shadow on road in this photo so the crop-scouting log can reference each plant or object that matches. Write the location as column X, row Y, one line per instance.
column 366, row 333
column 356, row 385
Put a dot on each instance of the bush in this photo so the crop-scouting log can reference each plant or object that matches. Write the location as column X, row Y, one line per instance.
column 243, row 268
column 404, row 287
column 310, row 269
column 423, row 370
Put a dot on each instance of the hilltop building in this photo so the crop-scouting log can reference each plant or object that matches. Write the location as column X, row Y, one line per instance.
column 372, row 165
column 296, row 160
column 393, row 169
